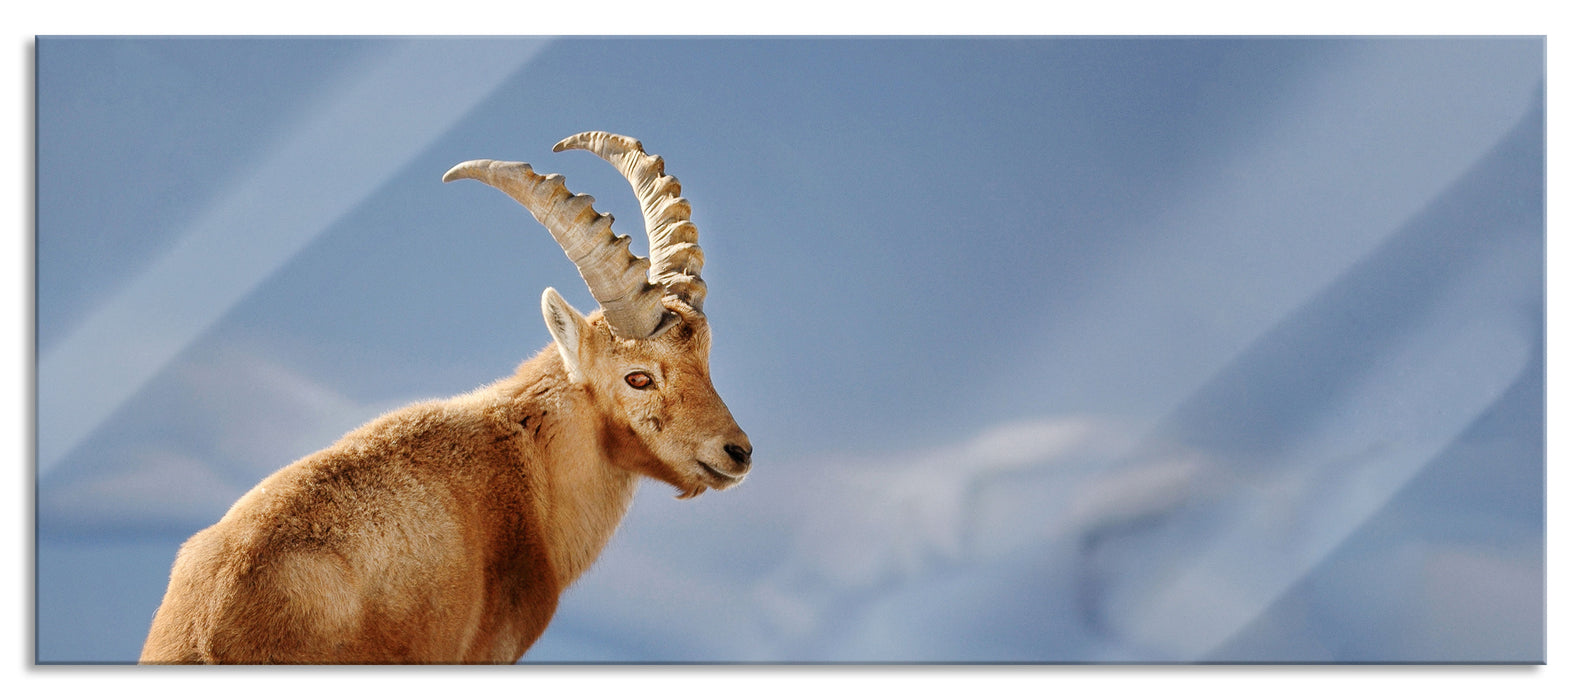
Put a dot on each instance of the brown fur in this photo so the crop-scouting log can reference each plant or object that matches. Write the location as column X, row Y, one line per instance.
column 445, row 532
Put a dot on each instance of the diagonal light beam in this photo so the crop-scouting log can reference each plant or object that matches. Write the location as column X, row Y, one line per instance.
column 361, row 138
column 1457, row 282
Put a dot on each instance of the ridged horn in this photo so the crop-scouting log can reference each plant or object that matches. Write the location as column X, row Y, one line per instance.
column 618, row 280
column 676, row 259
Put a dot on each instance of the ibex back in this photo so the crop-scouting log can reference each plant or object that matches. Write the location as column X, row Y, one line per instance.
column 445, row 532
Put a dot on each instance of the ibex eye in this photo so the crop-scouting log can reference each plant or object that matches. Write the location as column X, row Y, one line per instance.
column 639, row 380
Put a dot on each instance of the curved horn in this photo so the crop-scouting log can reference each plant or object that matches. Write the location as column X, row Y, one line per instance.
column 672, row 238
column 617, row 279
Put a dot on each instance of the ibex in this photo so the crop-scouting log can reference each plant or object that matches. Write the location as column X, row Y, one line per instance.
column 445, row 532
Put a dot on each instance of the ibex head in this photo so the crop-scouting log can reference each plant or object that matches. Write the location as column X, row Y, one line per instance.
column 643, row 356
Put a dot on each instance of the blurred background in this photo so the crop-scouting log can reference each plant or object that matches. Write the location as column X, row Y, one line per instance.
column 1051, row 349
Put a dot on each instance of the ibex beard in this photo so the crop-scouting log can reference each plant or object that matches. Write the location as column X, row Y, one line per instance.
column 445, row 532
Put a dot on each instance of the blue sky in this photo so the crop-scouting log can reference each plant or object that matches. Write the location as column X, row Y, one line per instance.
column 1050, row 350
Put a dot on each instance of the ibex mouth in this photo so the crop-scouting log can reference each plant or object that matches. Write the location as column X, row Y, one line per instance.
column 721, row 476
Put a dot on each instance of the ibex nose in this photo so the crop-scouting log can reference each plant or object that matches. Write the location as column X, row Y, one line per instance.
column 742, row 455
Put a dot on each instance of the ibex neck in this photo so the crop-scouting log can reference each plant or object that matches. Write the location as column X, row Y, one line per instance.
column 579, row 495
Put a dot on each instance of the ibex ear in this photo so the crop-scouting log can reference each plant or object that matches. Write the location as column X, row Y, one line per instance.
column 568, row 328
